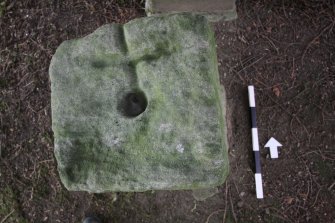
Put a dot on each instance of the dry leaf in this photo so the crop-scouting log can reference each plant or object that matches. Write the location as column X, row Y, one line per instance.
column 276, row 91
column 289, row 200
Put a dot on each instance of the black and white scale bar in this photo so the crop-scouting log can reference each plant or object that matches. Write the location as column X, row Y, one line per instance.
column 255, row 144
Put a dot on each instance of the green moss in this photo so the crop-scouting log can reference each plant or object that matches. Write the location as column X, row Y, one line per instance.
column 121, row 2
column 3, row 106
column 325, row 169
column 47, row 138
column 2, row 7
column 41, row 184
column 62, row 196
column 3, row 83
column 9, row 206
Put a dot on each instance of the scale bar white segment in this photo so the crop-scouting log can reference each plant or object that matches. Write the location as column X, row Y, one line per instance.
column 254, row 135
column 251, row 94
column 259, row 186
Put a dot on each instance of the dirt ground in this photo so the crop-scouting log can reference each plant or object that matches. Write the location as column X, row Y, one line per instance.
column 285, row 48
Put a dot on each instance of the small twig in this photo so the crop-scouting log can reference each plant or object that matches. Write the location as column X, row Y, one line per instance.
column 292, row 115
column 251, row 64
column 7, row 216
column 226, row 203
column 291, row 130
column 280, row 214
column 293, row 68
column 309, row 188
column 32, row 193
column 331, row 186
column 237, row 190
column 46, row 161
column 232, row 208
column 313, row 40
column 316, row 198
column 194, row 207
column 271, row 43
column 213, row 213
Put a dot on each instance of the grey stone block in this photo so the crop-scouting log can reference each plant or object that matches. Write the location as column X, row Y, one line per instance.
column 214, row 10
column 138, row 107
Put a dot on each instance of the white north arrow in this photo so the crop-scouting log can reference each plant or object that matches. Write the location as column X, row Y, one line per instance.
column 273, row 144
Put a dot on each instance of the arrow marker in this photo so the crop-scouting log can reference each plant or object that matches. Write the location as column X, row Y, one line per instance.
column 273, row 144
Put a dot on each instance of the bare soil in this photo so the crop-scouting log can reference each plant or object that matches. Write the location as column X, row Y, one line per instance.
column 285, row 48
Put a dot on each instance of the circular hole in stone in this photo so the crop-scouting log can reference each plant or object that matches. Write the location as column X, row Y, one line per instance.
column 134, row 103
column 134, row 98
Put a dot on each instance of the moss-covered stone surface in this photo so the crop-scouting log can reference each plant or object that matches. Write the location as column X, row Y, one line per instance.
column 138, row 107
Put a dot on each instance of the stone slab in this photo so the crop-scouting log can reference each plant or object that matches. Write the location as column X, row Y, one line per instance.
column 138, row 107
column 214, row 10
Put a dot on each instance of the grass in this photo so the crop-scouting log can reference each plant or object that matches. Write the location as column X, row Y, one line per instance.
column 9, row 208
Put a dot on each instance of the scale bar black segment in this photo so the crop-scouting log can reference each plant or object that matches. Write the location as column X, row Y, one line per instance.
column 253, row 117
column 257, row 162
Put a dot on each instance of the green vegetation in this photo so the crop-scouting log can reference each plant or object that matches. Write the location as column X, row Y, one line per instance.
column 2, row 7
column 41, row 185
column 3, row 106
column 325, row 170
column 63, row 196
column 9, row 208
column 121, row 2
